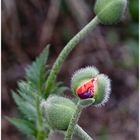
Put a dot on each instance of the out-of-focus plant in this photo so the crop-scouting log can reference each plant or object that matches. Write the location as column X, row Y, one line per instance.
column 130, row 59
column 134, row 9
column 41, row 111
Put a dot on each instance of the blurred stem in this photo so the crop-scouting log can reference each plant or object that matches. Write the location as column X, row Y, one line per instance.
column 40, row 133
column 73, row 122
column 81, row 133
column 65, row 52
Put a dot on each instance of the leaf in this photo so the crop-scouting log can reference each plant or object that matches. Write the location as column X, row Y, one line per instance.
column 36, row 73
column 58, row 88
column 24, row 126
column 27, row 92
column 25, row 107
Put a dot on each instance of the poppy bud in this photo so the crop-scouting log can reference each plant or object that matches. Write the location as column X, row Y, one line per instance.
column 110, row 11
column 88, row 83
column 58, row 111
column 83, row 75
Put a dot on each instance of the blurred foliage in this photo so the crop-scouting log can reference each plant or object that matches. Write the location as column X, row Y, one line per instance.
column 129, row 37
column 134, row 9
column 133, row 30
column 112, row 37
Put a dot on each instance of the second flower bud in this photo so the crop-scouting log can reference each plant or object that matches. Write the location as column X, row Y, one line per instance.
column 88, row 83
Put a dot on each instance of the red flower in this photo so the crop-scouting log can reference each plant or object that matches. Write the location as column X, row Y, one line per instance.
column 86, row 90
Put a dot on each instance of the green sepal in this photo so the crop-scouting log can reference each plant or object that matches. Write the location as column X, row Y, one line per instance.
column 87, row 102
column 102, row 90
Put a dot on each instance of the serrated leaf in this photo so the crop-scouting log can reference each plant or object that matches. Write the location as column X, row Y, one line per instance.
column 27, row 97
column 36, row 73
column 24, row 126
column 25, row 107
column 27, row 92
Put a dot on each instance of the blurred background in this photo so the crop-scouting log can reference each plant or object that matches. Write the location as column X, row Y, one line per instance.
column 29, row 25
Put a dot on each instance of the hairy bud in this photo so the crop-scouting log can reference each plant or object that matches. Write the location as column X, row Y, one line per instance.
column 110, row 11
column 88, row 83
column 58, row 111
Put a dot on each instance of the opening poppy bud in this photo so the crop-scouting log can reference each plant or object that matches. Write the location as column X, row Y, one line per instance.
column 110, row 11
column 58, row 111
column 87, row 84
column 84, row 75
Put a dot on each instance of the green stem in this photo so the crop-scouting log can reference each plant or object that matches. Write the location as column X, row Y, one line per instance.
column 40, row 134
column 65, row 52
column 73, row 122
column 81, row 133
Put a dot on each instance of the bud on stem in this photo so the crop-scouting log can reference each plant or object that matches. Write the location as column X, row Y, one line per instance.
column 87, row 83
column 110, row 11
column 58, row 111
column 65, row 52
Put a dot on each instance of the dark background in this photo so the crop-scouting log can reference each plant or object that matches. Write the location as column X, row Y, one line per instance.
column 29, row 25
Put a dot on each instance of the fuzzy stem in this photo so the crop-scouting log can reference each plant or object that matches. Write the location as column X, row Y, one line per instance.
column 40, row 134
column 81, row 133
column 73, row 122
column 65, row 52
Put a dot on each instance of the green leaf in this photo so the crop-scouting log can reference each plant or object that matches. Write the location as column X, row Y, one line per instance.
column 36, row 73
column 58, row 88
column 24, row 126
column 26, row 99
column 27, row 92
column 25, row 107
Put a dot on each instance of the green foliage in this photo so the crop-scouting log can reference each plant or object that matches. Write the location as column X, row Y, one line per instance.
column 24, row 126
column 134, row 50
column 36, row 73
column 134, row 9
column 133, row 53
column 27, row 92
column 58, row 88
column 25, row 107
column 133, row 30
column 30, row 92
